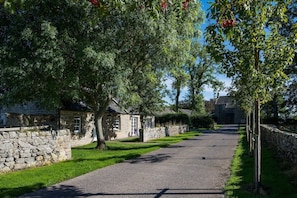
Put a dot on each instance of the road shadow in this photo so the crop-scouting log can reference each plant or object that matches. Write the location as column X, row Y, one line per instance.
column 57, row 191
column 72, row 191
column 226, row 129
column 190, row 191
column 149, row 159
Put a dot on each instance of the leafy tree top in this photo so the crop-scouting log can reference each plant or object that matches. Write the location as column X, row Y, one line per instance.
column 250, row 48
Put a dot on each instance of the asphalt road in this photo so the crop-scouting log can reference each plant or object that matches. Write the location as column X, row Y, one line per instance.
column 198, row 167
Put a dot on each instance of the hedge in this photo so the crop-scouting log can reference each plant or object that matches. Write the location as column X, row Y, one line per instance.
column 180, row 118
column 173, row 118
column 202, row 122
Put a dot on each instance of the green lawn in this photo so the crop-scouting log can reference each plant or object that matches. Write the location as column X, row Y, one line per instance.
column 275, row 182
column 85, row 159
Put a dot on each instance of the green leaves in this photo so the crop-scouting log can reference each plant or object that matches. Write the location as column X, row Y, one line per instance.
column 71, row 49
column 259, row 53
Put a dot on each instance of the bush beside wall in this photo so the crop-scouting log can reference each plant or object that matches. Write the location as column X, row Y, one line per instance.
column 183, row 119
column 172, row 119
column 202, row 122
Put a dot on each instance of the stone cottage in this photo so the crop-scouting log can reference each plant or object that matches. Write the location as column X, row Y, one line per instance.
column 228, row 111
column 76, row 117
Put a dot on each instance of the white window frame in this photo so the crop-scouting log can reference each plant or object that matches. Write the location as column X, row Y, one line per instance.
column 116, row 126
column 149, row 123
column 77, row 125
column 134, row 126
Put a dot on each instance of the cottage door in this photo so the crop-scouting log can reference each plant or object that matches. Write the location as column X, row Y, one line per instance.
column 134, row 126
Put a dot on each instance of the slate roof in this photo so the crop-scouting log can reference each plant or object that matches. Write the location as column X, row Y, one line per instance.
column 167, row 110
column 75, row 106
column 114, row 107
column 228, row 101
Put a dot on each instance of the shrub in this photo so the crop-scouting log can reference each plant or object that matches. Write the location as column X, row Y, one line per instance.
column 172, row 119
column 202, row 122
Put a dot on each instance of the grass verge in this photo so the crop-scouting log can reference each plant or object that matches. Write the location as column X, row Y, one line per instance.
column 275, row 183
column 84, row 159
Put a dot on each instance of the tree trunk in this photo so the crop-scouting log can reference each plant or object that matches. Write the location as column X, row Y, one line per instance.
column 98, row 117
column 252, row 133
column 99, row 131
column 247, row 126
column 275, row 109
column 257, row 155
column 142, row 122
column 177, row 99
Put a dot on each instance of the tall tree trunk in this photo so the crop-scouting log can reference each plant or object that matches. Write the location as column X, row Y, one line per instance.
column 98, row 117
column 252, row 133
column 99, row 131
column 275, row 109
column 142, row 122
column 177, row 99
column 247, row 126
column 257, row 150
column 193, row 101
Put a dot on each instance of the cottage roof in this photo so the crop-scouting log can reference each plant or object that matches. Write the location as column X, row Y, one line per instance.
column 167, row 110
column 114, row 107
column 27, row 108
column 75, row 106
column 228, row 101
column 186, row 111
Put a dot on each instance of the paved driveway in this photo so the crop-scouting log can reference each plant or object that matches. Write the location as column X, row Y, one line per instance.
column 198, row 167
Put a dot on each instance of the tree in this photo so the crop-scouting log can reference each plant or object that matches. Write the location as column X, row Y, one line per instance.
column 188, row 31
column 180, row 79
column 12, row 5
column 85, row 51
column 44, row 49
column 200, row 67
column 291, row 71
column 252, row 52
column 156, row 50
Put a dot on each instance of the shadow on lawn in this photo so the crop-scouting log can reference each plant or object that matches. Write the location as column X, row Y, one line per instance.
column 14, row 192
column 132, row 146
column 118, row 158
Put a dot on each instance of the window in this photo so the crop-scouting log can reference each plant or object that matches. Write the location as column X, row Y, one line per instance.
column 149, row 123
column 134, row 126
column 77, row 125
column 116, row 124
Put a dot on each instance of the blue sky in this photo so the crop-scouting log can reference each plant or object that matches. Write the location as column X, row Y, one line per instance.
column 208, row 91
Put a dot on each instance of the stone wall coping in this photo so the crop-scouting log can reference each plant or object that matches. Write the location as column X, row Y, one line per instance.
column 21, row 129
column 275, row 129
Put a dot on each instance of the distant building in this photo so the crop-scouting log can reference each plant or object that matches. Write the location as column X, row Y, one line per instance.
column 228, row 111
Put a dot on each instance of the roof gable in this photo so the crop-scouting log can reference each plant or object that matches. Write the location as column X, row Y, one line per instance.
column 222, row 100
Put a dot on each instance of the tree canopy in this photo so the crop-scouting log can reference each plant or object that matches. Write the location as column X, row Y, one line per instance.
column 91, row 51
column 245, row 38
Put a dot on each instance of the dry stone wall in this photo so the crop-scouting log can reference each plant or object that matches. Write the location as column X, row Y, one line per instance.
column 22, row 148
column 159, row 132
column 284, row 142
